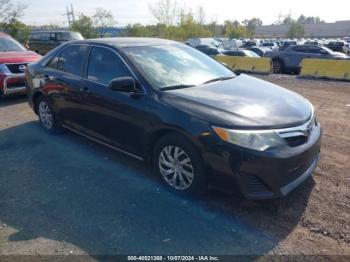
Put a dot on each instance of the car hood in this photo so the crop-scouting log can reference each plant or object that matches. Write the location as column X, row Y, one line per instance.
column 243, row 101
column 18, row 57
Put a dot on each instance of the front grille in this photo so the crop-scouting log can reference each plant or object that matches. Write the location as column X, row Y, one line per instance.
column 297, row 136
column 16, row 68
column 295, row 140
column 15, row 85
column 254, row 185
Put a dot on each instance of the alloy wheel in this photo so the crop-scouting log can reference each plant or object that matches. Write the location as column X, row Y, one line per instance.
column 176, row 167
column 45, row 115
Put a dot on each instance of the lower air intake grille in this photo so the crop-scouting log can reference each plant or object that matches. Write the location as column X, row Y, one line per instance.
column 254, row 185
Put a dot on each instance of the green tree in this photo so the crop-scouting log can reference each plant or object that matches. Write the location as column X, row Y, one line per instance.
column 166, row 12
column 18, row 30
column 251, row 25
column 296, row 30
column 84, row 25
column 234, row 29
column 10, row 10
column 288, row 20
column 102, row 19
column 189, row 28
column 309, row 20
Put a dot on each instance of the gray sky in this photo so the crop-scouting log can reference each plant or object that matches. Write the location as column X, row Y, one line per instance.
column 136, row 11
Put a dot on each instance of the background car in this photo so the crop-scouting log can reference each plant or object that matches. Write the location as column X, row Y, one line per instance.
column 287, row 44
column 272, row 45
column 249, row 44
column 208, row 50
column 290, row 59
column 312, row 42
column 240, row 52
column 337, row 46
column 44, row 41
column 14, row 59
column 347, row 48
column 260, row 51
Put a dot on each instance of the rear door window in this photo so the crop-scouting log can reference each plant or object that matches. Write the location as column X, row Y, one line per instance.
column 300, row 49
column 71, row 59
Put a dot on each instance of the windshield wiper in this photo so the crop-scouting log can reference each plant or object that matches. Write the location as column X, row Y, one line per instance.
column 176, row 87
column 218, row 79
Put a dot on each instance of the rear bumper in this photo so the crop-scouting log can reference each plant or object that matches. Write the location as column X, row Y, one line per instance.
column 263, row 175
column 11, row 84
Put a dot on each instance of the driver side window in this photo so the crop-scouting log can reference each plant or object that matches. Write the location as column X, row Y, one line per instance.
column 105, row 65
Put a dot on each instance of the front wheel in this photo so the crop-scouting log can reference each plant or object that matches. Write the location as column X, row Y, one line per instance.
column 179, row 165
column 47, row 116
column 277, row 66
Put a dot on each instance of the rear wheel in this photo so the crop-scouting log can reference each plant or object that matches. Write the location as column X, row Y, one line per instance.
column 179, row 165
column 47, row 116
column 277, row 66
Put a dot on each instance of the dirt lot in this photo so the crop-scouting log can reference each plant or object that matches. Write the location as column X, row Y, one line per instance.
column 65, row 195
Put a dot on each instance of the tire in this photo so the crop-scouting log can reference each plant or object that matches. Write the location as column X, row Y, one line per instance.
column 277, row 66
column 179, row 165
column 47, row 116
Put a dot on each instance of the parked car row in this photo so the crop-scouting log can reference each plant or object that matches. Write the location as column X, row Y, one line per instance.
column 337, row 45
column 286, row 55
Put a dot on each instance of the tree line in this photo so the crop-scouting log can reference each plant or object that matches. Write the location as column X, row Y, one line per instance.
column 173, row 21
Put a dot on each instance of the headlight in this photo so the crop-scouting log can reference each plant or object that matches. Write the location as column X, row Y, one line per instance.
column 259, row 140
column 4, row 69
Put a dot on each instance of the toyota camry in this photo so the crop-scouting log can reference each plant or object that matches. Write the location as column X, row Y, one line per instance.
column 168, row 104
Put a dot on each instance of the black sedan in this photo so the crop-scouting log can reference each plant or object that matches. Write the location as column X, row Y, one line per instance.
column 163, row 102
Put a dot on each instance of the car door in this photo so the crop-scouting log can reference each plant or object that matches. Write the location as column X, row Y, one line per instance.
column 62, row 79
column 316, row 52
column 113, row 117
column 297, row 55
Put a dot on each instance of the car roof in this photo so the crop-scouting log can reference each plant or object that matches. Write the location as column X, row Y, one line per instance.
column 128, row 41
column 51, row 31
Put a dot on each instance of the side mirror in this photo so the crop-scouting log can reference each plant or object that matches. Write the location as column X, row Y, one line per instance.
column 123, row 84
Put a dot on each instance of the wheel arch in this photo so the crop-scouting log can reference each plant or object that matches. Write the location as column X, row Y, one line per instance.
column 35, row 99
column 279, row 59
column 158, row 133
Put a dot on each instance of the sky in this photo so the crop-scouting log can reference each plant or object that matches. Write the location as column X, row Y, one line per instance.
column 40, row 12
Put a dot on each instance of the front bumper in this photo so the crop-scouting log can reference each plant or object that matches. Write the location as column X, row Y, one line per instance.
column 262, row 175
column 14, row 83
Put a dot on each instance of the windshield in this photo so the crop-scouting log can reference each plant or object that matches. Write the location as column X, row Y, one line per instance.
column 176, row 65
column 69, row 36
column 9, row 44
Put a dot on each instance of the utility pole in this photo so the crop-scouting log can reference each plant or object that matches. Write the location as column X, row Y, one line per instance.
column 70, row 15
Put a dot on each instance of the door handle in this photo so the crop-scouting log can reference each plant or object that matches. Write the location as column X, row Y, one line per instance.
column 84, row 89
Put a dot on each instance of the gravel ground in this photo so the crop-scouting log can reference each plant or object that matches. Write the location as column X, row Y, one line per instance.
column 63, row 195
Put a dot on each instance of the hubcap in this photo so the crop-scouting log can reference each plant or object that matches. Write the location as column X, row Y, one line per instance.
column 45, row 115
column 176, row 167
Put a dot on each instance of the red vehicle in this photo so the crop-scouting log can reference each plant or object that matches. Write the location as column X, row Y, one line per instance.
column 13, row 63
